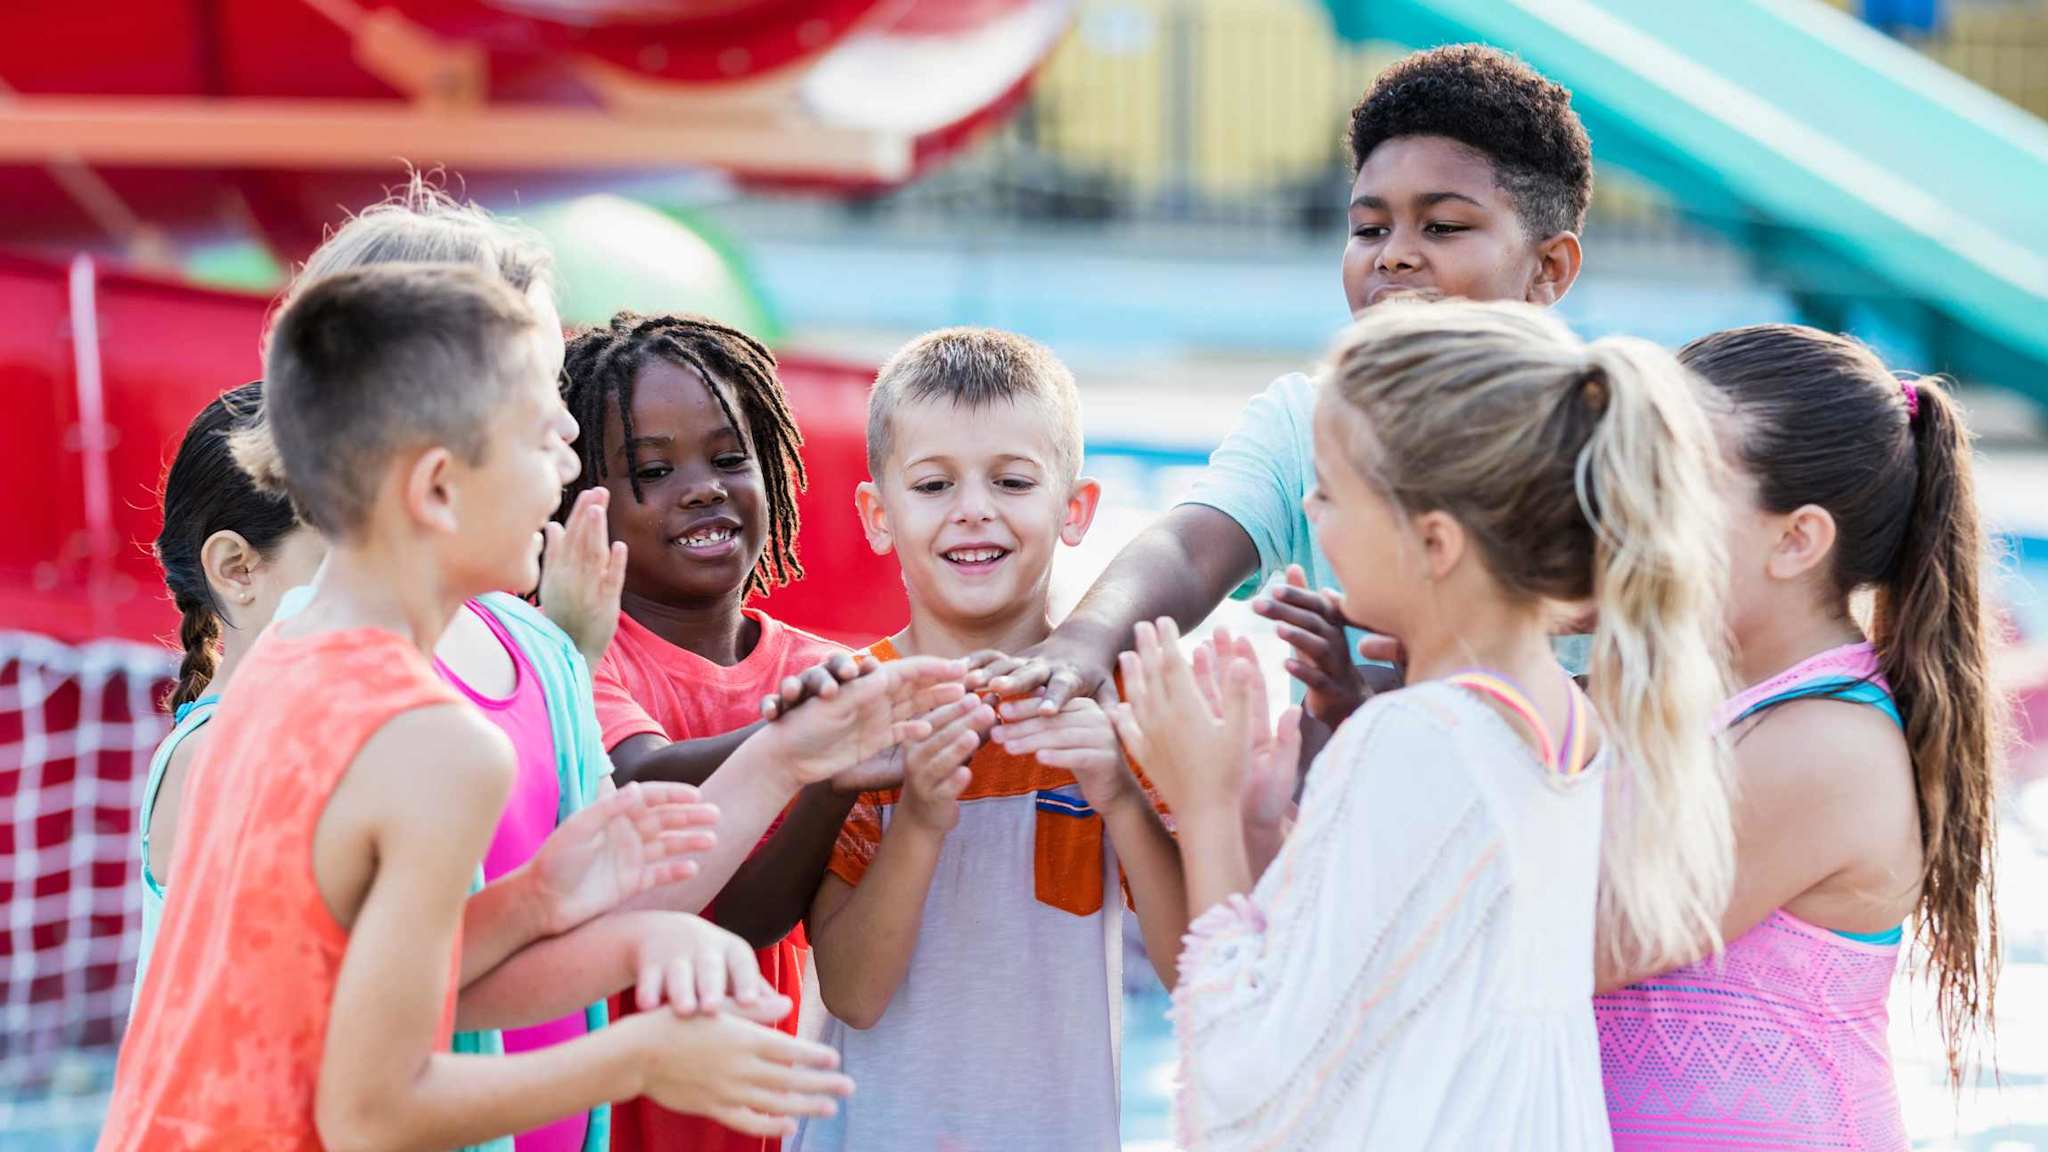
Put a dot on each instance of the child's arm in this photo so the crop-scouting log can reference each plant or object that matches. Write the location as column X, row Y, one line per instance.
column 667, row 956
column 393, row 858
column 863, row 936
column 840, row 728
column 1082, row 740
column 632, row 839
column 649, row 757
column 771, row 890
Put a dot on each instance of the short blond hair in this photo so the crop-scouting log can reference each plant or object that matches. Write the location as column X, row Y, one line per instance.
column 974, row 368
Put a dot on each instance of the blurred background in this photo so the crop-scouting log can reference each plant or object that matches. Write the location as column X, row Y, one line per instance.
column 1155, row 188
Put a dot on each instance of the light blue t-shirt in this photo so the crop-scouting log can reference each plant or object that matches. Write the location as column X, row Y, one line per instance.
column 190, row 717
column 1259, row 477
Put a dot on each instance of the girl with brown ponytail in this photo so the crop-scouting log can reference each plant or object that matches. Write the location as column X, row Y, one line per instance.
column 1865, row 756
column 229, row 551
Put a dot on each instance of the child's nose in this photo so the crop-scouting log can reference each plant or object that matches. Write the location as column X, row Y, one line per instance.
column 706, row 491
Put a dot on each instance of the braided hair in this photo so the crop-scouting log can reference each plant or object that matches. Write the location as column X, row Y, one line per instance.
column 597, row 377
column 204, row 492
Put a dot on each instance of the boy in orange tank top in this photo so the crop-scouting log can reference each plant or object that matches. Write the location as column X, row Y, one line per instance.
column 302, row 994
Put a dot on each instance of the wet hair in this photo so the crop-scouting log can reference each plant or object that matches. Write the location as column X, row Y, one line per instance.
column 1489, row 101
column 204, row 493
column 365, row 363
column 598, row 377
column 972, row 369
column 1580, row 471
column 1823, row 422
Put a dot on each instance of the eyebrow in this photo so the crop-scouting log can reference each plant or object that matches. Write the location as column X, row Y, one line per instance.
column 1427, row 200
column 1003, row 458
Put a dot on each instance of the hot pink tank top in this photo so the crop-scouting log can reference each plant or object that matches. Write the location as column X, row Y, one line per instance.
column 530, row 815
column 1780, row 1042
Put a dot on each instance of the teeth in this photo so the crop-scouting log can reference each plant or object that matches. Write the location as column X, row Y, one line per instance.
column 709, row 536
column 975, row 555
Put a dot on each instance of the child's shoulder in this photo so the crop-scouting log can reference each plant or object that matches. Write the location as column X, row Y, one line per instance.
column 800, row 649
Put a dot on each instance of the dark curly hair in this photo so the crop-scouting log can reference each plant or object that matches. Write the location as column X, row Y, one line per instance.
column 598, row 373
column 1489, row 100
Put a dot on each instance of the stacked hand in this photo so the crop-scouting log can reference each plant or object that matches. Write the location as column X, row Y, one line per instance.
column 639, row 837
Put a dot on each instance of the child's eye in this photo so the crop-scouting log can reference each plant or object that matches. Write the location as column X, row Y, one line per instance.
column 931, row 487
column 730, row 461
column 1369, row 231
column 649, row 473
column 1444, row 228
column 1016, row 484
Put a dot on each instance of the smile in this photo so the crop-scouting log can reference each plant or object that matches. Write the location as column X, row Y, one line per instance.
column 711, row 540
column 976, row 557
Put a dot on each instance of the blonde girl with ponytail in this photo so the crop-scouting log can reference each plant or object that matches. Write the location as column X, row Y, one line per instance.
column 1414, row 969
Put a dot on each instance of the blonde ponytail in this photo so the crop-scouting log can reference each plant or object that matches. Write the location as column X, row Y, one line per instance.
column 1659, row 661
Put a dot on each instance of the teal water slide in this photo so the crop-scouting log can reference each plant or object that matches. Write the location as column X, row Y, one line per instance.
column 1880, row 182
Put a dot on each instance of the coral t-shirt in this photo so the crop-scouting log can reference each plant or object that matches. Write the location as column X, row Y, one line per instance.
column 647, row 686
column 230, row 1027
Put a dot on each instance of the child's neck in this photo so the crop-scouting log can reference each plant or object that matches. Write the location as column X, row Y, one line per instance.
column 716, row 629
column 1499, row 638
column 369, row 585
column 1792, row 637
column 932, row 633
column 234, row 644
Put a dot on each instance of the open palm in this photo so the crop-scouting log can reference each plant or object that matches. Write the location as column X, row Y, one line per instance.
column 638, row 837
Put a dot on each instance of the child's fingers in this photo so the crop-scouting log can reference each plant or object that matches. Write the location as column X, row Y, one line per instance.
column 1304, row 619
column 647, row 990
column 1077, row 760
column 936, row 696
column 681, row 984
column 551, row 544
column 909, row 731
column 713, row 980
column 955, row 785
column 784, row 1049
column 753, row 1123
column 1312, row 676
column 1205, row 660
column 666, row 872
column 691, row 814
column 1385, row 649
column 691, row 843
column 789, row 1103
column 771, row 1009
column 1312, row 646
column 1127, row 731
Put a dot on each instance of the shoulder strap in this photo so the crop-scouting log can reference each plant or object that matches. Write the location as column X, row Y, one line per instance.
column 1567, row 758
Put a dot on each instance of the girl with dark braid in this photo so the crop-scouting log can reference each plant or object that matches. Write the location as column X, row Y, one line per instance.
column 229, row 552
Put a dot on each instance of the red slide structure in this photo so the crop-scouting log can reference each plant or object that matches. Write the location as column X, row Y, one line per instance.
column 131, row 128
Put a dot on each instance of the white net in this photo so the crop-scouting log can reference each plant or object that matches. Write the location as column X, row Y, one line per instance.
column 77, row 725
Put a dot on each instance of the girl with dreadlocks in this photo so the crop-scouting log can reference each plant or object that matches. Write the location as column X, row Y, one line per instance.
column 684, row 421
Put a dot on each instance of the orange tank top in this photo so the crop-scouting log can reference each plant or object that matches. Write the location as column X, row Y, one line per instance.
column 224, row 1047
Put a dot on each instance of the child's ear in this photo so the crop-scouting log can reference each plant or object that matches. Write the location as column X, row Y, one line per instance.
column 230, row 564
column 1081, row 505
column 1806, row 537
column 1443, row 543
column 1557, row 267
column 874, row 519
column 429, row 491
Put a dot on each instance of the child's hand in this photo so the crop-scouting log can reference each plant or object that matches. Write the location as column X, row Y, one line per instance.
column 1312, row 623
column 695, row 966
column 852, row 722
column 1080, row 739
column 935, row 770
column 746, row 1076
column 638, row 837
column 819, row 681
column 1040, row 682
column 1196, row 754
column 581, row 575
column 1274, row 775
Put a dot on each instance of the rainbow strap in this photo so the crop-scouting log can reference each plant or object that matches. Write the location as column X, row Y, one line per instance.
column 1568, row 759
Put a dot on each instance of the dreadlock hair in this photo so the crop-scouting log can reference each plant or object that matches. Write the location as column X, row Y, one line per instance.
column 204, row 493
column 597, row 378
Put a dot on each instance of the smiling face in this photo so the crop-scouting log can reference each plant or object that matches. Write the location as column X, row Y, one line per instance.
column 695, row 530
column 1429, row 217
column 974, row 501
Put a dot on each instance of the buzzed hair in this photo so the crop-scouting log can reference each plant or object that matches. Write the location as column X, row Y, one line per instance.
column 366, row 363
column 973, row 369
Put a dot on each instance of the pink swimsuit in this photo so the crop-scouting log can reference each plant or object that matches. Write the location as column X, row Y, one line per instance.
column 1781, row 1041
